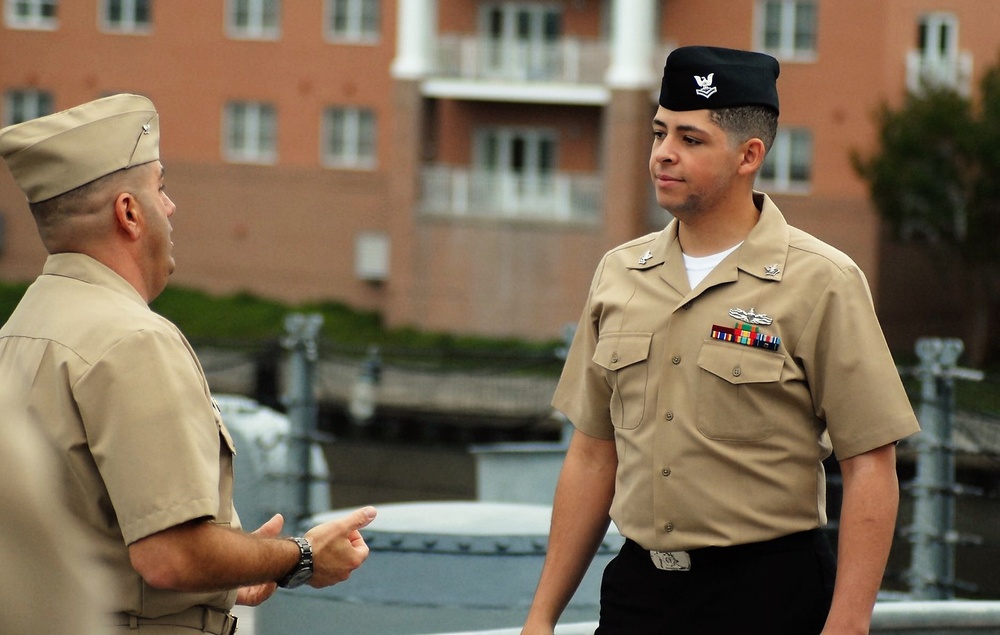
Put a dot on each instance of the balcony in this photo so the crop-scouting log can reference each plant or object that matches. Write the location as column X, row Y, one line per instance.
column 570, row 70
column 569, row 60
column 472, row 193
column 939, row 72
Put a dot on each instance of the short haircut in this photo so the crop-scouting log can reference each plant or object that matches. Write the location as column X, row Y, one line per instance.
column 78, row 201
column 746, row 122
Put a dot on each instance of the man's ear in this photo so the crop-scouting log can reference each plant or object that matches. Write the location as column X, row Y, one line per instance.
column 753, row 156
column 127, row 215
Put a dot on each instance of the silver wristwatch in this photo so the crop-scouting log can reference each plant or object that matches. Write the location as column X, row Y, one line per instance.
column 303, row 569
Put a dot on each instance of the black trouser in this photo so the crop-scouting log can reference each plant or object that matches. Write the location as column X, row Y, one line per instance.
column 779, row 587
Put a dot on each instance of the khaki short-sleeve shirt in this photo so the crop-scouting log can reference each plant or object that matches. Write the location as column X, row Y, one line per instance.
column 721, row 441
column 123, row 396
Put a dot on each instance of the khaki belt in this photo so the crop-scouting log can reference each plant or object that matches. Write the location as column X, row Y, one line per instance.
column 200, row 618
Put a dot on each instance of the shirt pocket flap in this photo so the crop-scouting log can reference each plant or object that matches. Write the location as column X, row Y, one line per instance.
column 615, row 351
column 740, row 364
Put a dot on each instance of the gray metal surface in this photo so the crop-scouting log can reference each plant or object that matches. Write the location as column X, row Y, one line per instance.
column 955, row 617
column 434, row 567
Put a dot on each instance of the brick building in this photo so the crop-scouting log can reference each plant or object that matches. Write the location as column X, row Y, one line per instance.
column 461, row 165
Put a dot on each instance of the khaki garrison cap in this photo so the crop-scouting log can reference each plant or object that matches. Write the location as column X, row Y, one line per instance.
column 57, row 153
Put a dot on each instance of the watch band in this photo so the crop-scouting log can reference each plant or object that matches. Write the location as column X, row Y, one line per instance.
column 303, row 569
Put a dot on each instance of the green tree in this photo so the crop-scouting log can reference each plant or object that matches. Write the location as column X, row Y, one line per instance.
column 935, row 178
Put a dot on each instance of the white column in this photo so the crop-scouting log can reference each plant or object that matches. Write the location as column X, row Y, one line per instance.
column 416, row 28
column 633, row 31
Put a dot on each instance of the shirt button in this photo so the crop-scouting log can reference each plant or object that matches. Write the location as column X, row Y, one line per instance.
column 668, row 527
column 669, row 416
column 614, row 358
column 676, row 359
column 737, row 372
column 665, row 471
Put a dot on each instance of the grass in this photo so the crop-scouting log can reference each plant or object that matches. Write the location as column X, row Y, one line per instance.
column 245, row 320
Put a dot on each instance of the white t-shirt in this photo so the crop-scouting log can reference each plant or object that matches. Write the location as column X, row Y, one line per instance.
column 699, row 268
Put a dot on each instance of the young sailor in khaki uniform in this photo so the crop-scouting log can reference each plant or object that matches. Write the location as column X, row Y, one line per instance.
column 148, row 461
column 717, row 363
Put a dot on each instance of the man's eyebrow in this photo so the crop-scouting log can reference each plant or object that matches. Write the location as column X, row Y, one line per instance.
column 681, row 128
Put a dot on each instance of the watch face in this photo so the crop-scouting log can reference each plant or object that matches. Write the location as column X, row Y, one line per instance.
column 298, row 578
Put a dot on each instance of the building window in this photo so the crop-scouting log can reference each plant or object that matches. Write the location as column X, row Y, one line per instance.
column 937, row 36
column 514, row 171
column 353, row 21
column 251, row 132
column 788, row 166
column 787, row 29
column 22, row 105
column 937, row 60
column 349, row 138
column 522, row 39
column 31, row 14
column 127, row 16
column 253, row 19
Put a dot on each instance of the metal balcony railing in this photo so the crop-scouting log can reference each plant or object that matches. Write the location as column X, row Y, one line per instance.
column 467, row 192
column 946, row 72
column 568, row 60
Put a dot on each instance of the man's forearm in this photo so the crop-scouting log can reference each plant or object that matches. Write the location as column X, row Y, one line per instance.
column 867, row 525
column 579, row 524
column 202, row 556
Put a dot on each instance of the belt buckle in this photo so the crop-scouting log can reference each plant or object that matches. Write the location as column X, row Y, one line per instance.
column 231, row 625
column 671, row 560
column 216, row 620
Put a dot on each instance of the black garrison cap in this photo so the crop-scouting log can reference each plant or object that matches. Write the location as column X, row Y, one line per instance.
column 708, row 77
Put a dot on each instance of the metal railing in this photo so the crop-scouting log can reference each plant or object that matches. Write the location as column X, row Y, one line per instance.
column 570, row 60
column 560, row 196
column 950, row 72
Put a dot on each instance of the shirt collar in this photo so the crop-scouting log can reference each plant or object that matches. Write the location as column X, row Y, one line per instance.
column 85, row 269
column 762, row 254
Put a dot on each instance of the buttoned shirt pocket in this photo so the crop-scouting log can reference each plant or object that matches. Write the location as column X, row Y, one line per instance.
column 624, row 357
column 734, row 392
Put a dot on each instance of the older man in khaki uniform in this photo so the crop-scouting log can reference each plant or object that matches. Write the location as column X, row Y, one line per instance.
column 717, row 363
column 117, row 388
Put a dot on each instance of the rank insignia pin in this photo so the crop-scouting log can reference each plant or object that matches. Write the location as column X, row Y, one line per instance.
column 145, row 128
column 646, row 257
column 772, row 270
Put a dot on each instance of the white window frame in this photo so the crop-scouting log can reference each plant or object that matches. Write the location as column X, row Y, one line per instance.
column 256, row 123
column 27, row 103
column 255, row 28
column 35, row 18
column 353, row 12
column 358, row 129
column 787, row 48
column 937, row 60
column 517, row 190
column 788, row 144
column 129, row 22
column 512, row 53
column 933, row 24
